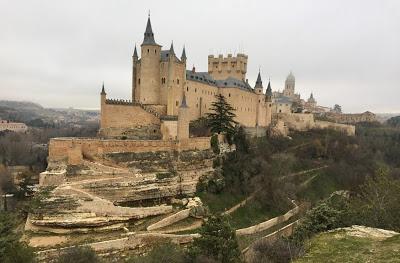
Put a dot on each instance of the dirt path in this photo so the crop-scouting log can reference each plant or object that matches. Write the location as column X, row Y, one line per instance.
column 304, row 172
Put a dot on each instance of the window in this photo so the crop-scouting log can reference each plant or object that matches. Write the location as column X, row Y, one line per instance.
column 177, row 81
column 187, row 88
column 148, row 51
column 177, row 103
column 139, row 81
column 195, row 90
column 155, row 51
column 229, row 94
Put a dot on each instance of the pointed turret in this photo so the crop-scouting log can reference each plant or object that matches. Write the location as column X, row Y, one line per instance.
column 259, row 81
column 103, row 92
column 269, row 90
column 311, row 99
column 184, row 104
column 171, row 49
column 183, row 56
column 148, row 34
column 135, row 55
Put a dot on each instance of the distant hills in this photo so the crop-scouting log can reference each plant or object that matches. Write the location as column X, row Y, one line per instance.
column 34, row 114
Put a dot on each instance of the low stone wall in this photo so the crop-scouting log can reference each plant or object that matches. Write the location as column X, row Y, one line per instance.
column 267, row 224
column 285, row 231
column 62, row 148
column 131, row 242
column 170, row 220
column 47, row 178
column 256, row 131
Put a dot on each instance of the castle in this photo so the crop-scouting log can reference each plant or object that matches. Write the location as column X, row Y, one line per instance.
column 166, row 96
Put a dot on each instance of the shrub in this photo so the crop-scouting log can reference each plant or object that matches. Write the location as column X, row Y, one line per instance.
column 167, row 252
column 281, row 250
column 217, row 241
column 78, row 255
column 214, row 144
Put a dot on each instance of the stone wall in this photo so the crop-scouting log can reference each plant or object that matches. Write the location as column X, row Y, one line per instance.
column 61, row 148
column 129, row 120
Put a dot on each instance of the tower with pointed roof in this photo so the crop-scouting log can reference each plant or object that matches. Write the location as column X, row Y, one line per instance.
column 135, row 60
column 183, row 120
column 103, row 98
column 148, row 79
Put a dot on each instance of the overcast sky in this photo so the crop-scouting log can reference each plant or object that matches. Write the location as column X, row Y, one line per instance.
column 57, row 53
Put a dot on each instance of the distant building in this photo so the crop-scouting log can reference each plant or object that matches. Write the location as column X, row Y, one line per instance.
column 13, row 126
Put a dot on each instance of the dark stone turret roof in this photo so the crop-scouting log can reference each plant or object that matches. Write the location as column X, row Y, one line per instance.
column 135, row 55
column 183, row 56
column 149, row 35
column 103, row 91
column 206, row 78
column 259, row 81
column 171, row 49
column 184, row 104
column 269, row 89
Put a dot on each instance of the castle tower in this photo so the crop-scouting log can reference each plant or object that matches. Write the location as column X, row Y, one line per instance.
column 171, row 107
column 183, row 56
column 258, row 89
column 183, row 120
column 290, row 82
column 103, row 97
column 135, row 60
column 221, row 68
column 149, row 80
column 268, row 104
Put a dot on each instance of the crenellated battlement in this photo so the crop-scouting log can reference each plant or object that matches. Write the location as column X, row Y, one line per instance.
column 230, row 66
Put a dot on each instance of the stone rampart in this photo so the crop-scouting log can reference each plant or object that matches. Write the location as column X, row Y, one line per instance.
column 61, row 149
column 170, row 220
column 268, row 224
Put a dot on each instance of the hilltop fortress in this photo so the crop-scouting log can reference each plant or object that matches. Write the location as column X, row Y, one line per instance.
column 162, row 87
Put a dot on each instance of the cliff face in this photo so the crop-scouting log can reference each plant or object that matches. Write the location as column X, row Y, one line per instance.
column 115, row 189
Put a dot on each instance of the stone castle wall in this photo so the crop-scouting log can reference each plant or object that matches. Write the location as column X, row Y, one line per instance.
column 130, row 120
column 62, row 149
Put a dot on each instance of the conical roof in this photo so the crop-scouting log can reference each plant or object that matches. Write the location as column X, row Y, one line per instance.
column 258, row 81
column 184, row 104
column 148, row 34
column 135, row 55
column 269, row 89
column 103, row 91
column 171, row 49
column 183, row 56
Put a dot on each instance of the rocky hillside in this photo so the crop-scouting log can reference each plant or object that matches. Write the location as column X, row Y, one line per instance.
column 354, row 244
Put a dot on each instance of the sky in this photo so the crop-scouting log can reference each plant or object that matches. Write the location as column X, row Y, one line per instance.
column 58, row 53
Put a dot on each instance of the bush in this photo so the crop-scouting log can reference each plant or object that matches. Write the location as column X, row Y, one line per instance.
column 217, row 241
column 281, row 250
column 214, row 144
column 78, row 255
column 11, row 250
column 167, row 252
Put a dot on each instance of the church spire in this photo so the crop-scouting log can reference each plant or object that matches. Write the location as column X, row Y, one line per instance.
column 183, row 56
column 148, row 34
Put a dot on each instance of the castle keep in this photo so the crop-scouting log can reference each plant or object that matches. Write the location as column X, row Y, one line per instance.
column 166, row 96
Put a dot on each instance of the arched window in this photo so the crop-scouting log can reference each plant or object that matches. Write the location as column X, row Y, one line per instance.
column 148, row 51
column 177, row 81
column 139, row 81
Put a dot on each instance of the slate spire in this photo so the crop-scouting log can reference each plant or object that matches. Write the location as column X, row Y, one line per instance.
column 148, row 34
column 184, row 104
column 259, row 81
column 103, row 92
column 135, row 55
column 171, row 49
column 183, row 56
column 269, row 89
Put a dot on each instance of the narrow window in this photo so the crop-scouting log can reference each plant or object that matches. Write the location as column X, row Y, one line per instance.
column 148, row 51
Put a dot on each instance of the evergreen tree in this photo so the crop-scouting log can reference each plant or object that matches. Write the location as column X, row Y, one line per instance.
column 221, row 119
column 217, row 241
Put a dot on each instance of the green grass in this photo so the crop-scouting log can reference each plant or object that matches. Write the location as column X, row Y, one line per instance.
column 250, row 214
column 218, row 203
column 320, row 187
column 338, row 247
